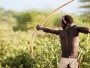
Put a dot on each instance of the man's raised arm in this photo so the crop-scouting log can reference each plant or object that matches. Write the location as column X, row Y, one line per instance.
column 47, row 30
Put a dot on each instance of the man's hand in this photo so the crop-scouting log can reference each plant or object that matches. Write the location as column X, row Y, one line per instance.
column 38, row 27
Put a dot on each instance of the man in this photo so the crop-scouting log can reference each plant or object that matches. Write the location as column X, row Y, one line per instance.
column 69, row 41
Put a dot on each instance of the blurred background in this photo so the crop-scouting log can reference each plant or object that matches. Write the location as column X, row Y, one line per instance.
column 18, row 20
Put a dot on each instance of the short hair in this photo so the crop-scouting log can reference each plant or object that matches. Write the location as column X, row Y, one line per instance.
column 68, row 19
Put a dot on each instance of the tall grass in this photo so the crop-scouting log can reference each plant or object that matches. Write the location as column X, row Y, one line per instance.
column 14, row 50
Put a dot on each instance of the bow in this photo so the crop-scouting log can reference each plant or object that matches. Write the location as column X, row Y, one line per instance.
column 31, row 44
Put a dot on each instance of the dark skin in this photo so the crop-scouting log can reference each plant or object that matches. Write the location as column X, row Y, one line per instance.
column 69, row 45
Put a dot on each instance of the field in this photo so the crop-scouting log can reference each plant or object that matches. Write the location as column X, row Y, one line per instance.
column 15, row 46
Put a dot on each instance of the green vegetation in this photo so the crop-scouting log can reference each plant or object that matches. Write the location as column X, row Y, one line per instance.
column 86, row 12
column 16, row 31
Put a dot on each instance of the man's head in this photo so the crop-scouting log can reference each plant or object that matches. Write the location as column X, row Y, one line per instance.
column 66, row 21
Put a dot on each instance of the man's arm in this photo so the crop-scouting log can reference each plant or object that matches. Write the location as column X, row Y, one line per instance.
column 83, row 29
column 47, row 30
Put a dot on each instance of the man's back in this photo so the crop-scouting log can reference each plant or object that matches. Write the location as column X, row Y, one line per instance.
column 69, row 42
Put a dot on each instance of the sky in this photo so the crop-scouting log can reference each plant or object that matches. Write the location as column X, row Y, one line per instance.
column 23, row 5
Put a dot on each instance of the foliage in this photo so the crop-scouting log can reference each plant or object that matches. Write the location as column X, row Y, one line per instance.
column 87, row 5
column 15, row 45
column 86, row 12
column 22, row 21
column 84, row 0
column 85, row 50
column 8, row 17
column 29, row 19
column 14, row 50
